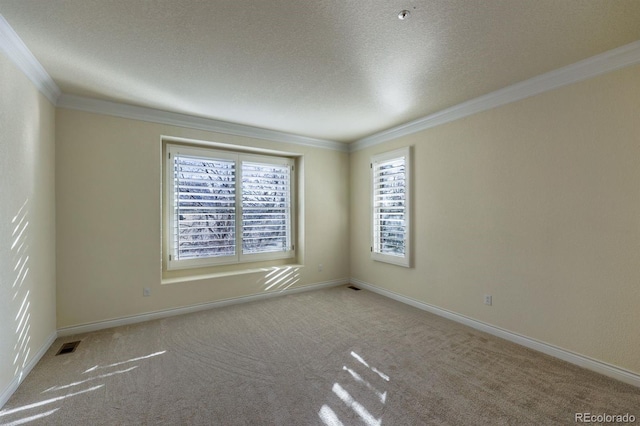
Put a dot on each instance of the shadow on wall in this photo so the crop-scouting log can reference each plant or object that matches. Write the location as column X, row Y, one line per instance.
column 280, row 278
column 20, row 240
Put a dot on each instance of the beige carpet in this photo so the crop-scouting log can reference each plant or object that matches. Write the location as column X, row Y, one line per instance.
column 334, row 356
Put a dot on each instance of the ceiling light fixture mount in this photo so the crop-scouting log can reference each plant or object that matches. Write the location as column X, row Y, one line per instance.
column 404, row 14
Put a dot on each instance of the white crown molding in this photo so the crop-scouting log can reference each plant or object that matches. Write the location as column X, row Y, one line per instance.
column 13, row 386
column 121, row 110
column 15, row 49
column 573, row 358
column 21, row 56
column 611, row 60
column 101, row 325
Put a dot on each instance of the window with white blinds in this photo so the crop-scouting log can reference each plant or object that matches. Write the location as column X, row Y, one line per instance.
column 266, row 207
column 390, row 207
column 225, row 207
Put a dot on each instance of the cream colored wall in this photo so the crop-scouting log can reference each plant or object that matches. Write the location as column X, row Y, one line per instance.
column 109, row 220
column 536, row 203
column 27, row 224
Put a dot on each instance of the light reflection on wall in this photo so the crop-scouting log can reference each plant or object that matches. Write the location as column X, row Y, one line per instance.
column 280, row 278
column 22, row 319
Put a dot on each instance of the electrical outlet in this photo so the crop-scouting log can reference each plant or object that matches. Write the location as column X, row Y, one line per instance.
column 146, row 291
column 320, row 267
column 488, row 299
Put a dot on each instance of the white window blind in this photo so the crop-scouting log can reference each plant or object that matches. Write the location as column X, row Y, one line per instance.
column 225, row 207
column 390, row 207
column 266, row 206
column 204, row 207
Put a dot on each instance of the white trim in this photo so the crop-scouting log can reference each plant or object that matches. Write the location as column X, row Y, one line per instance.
column 219, row 145
column 238, row 160
column 611, row 60
column 554, row 351
column 189, row 278
column 13, row 386
column 134, row 319
column 18, row 52
column 121, row 110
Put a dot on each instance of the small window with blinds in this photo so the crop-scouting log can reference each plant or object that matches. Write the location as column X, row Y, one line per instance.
column 390, row 207
column 226, row 207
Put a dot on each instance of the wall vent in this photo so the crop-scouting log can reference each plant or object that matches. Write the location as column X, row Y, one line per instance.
column 68, row 348
column 354, row 288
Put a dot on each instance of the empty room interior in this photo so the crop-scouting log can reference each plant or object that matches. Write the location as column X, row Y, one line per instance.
column 414, row 212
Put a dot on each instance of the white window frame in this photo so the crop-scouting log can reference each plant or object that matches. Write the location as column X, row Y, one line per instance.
column 172, row 263
column 377, row 254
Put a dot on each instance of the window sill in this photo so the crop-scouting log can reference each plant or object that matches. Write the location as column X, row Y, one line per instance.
column 215, row 275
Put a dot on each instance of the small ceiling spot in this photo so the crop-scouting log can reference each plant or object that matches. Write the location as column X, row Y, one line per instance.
column 404, row 14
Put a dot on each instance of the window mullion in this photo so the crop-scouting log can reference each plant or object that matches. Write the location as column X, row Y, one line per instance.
column 291, row 213
column 239, row 210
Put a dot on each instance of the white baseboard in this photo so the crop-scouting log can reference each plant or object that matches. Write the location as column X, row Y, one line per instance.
column 573, row 358
column 101, row 325
column 13, row 386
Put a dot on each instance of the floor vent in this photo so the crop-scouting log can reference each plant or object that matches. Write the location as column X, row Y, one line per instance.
column 67, row 348
column 354, row 288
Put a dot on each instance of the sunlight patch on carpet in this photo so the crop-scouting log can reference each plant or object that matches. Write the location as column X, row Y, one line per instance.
column 364, row 389
column 329, row 417
column 32, row 418
column 102, row 376
column 96, row 367
column 379, row 373
column 364, row 414
column 47, row 401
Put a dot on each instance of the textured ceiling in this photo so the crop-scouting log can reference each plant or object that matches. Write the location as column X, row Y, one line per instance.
column 337, row 70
